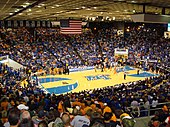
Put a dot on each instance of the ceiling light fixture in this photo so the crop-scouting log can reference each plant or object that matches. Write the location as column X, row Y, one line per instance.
column 57, row 5
column 88, row 9
column 95, row 7
column 42, row 4
column 24, row 6
column 70, row 12
column 39, row 11
column 133, row 1
column 83, row 7
column 27, row 3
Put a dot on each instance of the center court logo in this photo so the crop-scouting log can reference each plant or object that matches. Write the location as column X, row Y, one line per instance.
column 60, row 85
column 97, row 77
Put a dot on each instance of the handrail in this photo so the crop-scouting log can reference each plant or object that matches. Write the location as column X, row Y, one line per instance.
column 165, row 68
column 149, row 108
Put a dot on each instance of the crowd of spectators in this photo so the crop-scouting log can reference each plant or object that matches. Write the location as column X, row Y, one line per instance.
column 105, row 107
column 114, row 106
column 46, row 48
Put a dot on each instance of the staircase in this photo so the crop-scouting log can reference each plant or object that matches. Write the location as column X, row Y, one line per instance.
column 100, row 49
column 142, row 122
column 76, row 52
column 52, row 54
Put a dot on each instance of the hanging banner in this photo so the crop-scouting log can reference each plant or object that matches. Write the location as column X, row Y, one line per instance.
column 33, row 24
column 27, row 24
column 43, row 24
column 2, row 24
column 38, row 23
column 21, row 23
column 15, row 24
column 48, row 24
column 9, row 24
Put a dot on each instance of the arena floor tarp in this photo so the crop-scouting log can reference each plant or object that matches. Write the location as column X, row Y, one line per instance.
column 89, row 79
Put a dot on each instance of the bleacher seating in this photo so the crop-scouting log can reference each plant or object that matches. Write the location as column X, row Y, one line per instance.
column 49, row 50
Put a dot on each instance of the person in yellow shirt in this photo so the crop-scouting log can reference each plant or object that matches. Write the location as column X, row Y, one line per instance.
column 60, row 107
column 108, row 109
column 87, row 108
column 127, row 121
column 76, row 103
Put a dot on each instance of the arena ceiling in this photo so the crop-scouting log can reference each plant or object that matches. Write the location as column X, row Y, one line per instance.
column 86, row 9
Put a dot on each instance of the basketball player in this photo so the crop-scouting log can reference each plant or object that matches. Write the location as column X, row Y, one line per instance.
column 114, row 71
column 95, row 68
column 67, row 69
column 124, row 75
column 111, row 65
column 138, row 72
column 104, row 64
column 102, row 67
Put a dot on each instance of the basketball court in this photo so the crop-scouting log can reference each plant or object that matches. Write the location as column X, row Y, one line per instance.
column 89, row 79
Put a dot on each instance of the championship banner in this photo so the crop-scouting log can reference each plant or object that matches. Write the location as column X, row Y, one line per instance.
column 33, row 24
column 48, row 24
column 43, row 23
column 38, row 23
column 15, row 24
column 9, row 24
column 27, row 24
column 2, row 24
column 21, row 23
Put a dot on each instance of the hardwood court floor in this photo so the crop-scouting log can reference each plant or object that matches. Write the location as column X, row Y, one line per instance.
column 89, row 79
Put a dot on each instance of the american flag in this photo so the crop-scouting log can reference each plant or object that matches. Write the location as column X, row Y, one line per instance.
column 70, row 27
